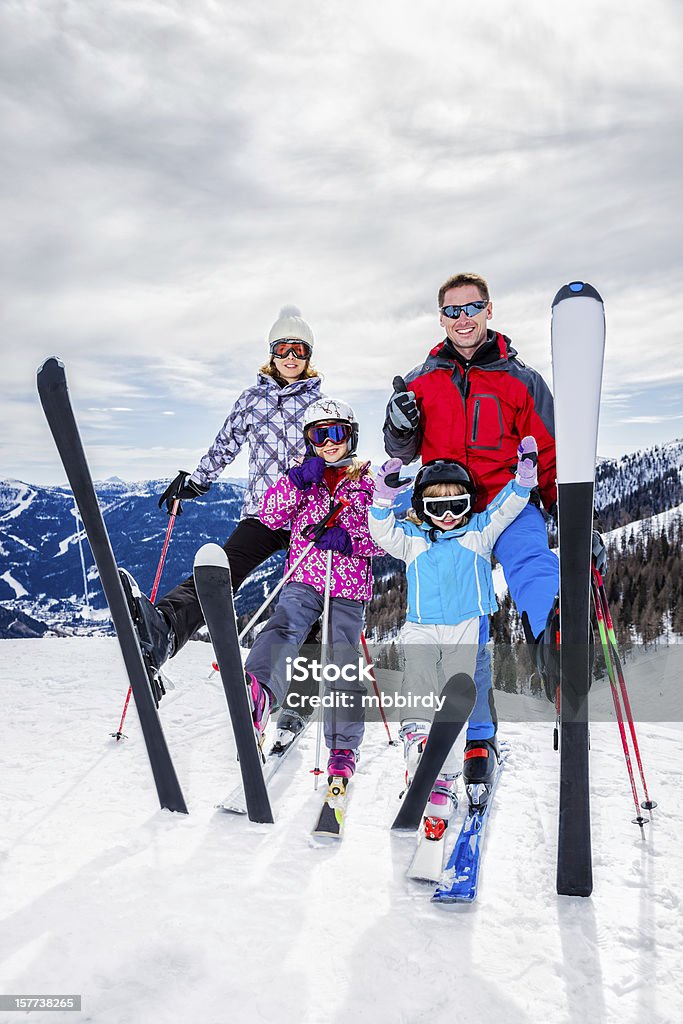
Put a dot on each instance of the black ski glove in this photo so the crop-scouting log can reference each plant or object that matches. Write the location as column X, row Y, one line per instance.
column 599, row 552
column 181, row 488
column 404, row 414
column 598, row 547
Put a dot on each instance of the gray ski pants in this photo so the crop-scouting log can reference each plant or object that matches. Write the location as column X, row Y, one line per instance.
column 298, row 607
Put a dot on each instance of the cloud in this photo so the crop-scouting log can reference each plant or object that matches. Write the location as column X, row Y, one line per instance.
column 174, row 174
column 652, row 419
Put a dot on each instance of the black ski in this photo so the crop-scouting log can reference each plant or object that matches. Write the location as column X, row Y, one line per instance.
column 459, row 694
column 578, row 342
column 214, row 589
column 54, row 397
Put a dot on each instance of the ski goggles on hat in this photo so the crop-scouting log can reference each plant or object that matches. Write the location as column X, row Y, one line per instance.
column 469, row 309
column 438, row 508
column 290, row 346
column 336, row 432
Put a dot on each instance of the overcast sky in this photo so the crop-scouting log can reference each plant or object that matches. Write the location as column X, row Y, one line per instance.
column 174, row 172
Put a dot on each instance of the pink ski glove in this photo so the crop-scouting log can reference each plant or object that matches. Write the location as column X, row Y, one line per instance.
column 388, row 484
column 527, row 465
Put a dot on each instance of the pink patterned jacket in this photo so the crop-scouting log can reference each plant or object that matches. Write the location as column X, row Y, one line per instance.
column 284, row 506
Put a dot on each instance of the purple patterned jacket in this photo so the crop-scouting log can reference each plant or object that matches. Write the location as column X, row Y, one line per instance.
column 284, row 506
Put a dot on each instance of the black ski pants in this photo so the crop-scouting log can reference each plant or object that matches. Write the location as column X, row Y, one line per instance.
column 248, row 546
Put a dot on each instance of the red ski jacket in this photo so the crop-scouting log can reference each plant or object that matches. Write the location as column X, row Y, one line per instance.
column 478, row 412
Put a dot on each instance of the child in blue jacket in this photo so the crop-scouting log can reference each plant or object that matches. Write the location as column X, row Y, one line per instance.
column 447, row 551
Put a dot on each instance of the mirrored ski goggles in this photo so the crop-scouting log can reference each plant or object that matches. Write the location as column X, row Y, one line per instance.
column 336, row 432
column 469, row 309
column 438, row 508
column 288, row 346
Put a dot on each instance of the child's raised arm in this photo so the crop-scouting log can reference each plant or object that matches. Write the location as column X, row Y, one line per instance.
column 384, row 529
column 509, row 502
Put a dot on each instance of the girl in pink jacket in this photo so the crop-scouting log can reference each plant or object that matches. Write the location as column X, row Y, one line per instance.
column 299, row 501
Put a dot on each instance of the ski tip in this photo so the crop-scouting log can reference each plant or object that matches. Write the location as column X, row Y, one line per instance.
column 52, row 363
column 577, row 289
column 459, row 695
column 211, row 554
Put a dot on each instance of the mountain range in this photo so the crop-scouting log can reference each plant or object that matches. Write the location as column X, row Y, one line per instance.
column 48, row 579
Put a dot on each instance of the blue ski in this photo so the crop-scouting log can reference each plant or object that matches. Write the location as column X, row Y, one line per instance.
column 461, row 875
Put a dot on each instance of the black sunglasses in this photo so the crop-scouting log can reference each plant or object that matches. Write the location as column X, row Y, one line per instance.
column 469, row 309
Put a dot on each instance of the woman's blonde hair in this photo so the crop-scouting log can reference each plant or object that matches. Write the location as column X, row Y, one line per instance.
column 442, row 490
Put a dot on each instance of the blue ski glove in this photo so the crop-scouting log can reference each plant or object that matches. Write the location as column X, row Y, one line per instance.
column 527, row 463
column 388, row 484
column 308, row 473
column 335, row 538
column 599, row 552
column 183, row 487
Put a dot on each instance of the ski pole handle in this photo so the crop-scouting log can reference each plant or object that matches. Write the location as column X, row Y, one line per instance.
column 314, row 531
column 398, row 384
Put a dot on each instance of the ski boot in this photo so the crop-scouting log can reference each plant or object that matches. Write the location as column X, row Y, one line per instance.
column 261, row 701
column 341, row 764
column 443, row 803
column 155, row 635
column 479, row 765
column 290, row 724
column 547, row 654
column 414, row 736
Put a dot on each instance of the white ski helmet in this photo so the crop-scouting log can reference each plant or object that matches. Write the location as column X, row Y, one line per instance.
column 329, row 409
column 290, row 325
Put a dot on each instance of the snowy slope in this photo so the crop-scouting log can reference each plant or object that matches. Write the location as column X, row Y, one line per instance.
column 653, row 525
column 208, row 918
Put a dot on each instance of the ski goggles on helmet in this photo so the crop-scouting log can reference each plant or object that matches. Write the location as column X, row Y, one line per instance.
column 469, row 309
column 290, row 346
column 438, row 508
column 336, row 432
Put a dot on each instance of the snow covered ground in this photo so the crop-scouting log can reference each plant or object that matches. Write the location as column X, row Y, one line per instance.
column 155, row 917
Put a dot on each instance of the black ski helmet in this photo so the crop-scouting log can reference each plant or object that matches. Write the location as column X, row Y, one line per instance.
column 440, row 471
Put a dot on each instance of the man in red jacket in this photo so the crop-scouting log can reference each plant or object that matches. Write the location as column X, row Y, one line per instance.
column 473, row 400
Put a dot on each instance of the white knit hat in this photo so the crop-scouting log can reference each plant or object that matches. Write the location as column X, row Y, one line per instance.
column 290, row 324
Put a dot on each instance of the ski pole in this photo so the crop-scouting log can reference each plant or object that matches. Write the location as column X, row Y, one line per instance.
column 371, row 669
column 648, row 804
column 317, row 771
column 639, row 819
column 155, row 587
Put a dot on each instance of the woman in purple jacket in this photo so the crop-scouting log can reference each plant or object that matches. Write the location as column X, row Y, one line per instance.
column 300, row 499
column 266, row 420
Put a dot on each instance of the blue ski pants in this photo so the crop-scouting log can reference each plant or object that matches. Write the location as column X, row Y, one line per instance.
column 532, row 572
column 531, row 569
